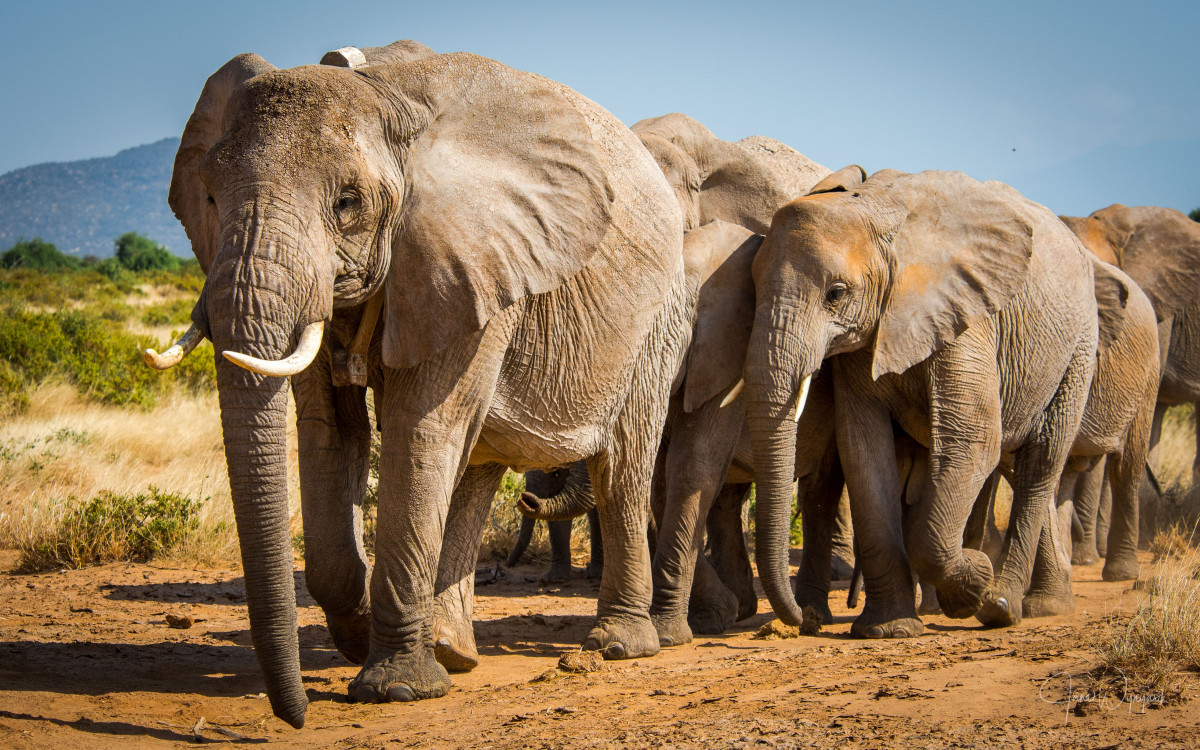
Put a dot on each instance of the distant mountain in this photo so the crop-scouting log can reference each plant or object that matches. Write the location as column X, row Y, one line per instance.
column 82, row 206
column 1159, row 173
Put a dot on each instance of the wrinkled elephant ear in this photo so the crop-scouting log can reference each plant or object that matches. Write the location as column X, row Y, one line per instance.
column 719, row 255
column 1162, row 255
column 1112, row 299
column 508, row 196
column 842, row 181
column 958, row 255
column 188, row 197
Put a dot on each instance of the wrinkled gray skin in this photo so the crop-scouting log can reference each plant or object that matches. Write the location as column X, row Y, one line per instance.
column 1112, row 442
column 956, row 312
column 1159, row 248
column 305, row 192
column 565, row 488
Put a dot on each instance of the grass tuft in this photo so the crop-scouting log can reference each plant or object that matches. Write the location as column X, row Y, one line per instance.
column 111, row 527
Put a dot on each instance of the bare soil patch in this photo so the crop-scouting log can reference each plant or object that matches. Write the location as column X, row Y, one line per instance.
column 104, row 657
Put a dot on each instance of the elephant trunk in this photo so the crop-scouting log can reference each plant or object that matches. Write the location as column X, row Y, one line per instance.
column 572, row 500
column 777, row 376
column 256, row 301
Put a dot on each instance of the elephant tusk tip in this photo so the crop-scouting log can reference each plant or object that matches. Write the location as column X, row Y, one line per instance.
column 733, row 394
column 165, row 360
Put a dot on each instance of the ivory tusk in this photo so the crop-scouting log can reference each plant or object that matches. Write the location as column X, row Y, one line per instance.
column 174, row 354
column 803, row 397
column 729, row 397
column 306, row 351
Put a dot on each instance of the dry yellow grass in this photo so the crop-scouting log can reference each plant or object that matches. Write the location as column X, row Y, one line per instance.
column 64, row 447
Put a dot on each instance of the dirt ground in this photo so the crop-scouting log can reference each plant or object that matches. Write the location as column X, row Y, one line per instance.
column 87, row 659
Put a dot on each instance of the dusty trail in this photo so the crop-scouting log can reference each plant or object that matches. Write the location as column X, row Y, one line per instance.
column 87, row 659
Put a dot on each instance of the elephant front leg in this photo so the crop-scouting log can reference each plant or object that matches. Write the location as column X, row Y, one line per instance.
column 595, row 566
column 560, row 552
column 1086, row 501
column 454, row 590
column 334, row 444
column 867, row 450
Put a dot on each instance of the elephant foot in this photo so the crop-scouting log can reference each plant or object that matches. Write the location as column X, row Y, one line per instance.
column 873, row 623
column 401, row 677
column 818, row 600
column 1084, row 554
column 593, row 570
column 557, row 573
column 1047, row 605
column 999, row 610
column 351, row 635
column 842, row 570
column 672, row 631
column 623, row 638
column 1123, row 568
column 961, row 591
column 454, row 655
column 712, row 608
column 929, row 601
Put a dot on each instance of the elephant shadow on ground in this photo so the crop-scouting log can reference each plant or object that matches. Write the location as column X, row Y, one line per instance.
column 231, row 591
column 122, row 729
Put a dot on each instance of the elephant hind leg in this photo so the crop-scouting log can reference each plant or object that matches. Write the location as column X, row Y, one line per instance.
column 1050, row 588
column 560, row 552
column 727, row 542
column 1126, row 472
column 454, row 590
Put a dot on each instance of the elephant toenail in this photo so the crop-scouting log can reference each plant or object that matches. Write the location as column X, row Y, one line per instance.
column 1002, row 602
column 366, row 694
column 615, row 651
column 401, row 694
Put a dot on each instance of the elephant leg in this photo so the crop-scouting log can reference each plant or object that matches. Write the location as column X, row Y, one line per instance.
column 698, row 456
column 843, row 541
column 334, row 434
column 431, row 415
column 1049, row 592
column 560, row 551
column 595, row 566
column 524, row 536
column 1037, row 469
column 821, row 499
column 868, row 456
column 1125, row 474
column 965, row 424
column 454, row 589
column 727, row 545
column 1087, row 506
column 981, row 532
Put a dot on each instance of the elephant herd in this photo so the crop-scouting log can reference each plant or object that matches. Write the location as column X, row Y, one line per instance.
column 661, row 318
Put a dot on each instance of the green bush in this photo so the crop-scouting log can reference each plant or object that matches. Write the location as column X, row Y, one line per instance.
column 177, row 312
column 137, row 252
column 38, row 255
column 112, row 527
column 1195, row 214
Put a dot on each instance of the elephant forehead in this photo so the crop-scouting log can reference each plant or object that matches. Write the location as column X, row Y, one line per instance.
column 287, row 120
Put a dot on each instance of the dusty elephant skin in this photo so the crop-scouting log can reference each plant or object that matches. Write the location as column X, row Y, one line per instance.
column 960, row 311
column 495, row 210
column 1159, row 248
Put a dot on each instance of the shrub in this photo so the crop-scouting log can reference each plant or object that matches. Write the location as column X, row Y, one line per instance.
column 1195, row 214
column 137, row 252
column 38, row 255
column 176, row 312
column 112, row 527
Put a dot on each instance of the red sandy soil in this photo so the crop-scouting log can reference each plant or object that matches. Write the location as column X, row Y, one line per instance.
column 87, row 659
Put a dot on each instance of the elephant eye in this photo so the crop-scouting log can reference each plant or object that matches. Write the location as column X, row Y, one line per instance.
column 346, row 204
column 211, row 202
column 836, row 293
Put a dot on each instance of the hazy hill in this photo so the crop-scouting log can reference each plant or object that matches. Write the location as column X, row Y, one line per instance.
column 82, row 206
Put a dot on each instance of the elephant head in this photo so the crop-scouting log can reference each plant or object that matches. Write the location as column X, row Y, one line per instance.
column 742, row 183
column 899, row 263
column 452, row 185
column 1158, row 247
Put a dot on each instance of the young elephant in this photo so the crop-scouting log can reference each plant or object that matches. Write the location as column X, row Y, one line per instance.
column 1159, row 248
column 527, row 252
column 559, row 497
column 955, row 311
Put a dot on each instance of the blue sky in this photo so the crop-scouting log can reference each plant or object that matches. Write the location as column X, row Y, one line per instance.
column 1077, row 104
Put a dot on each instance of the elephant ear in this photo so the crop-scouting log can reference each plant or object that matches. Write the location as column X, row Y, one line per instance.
column 1104, row 240
column 508, row 195
column 1112, row 298
column 1162, row 255
column 719, row 256
column 842, row 181
column 188, row 197
column 959, row 253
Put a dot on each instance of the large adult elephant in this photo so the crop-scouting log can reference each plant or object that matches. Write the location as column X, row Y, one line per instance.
column 527, row 255
column 1159, row 248
column 954, row 311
